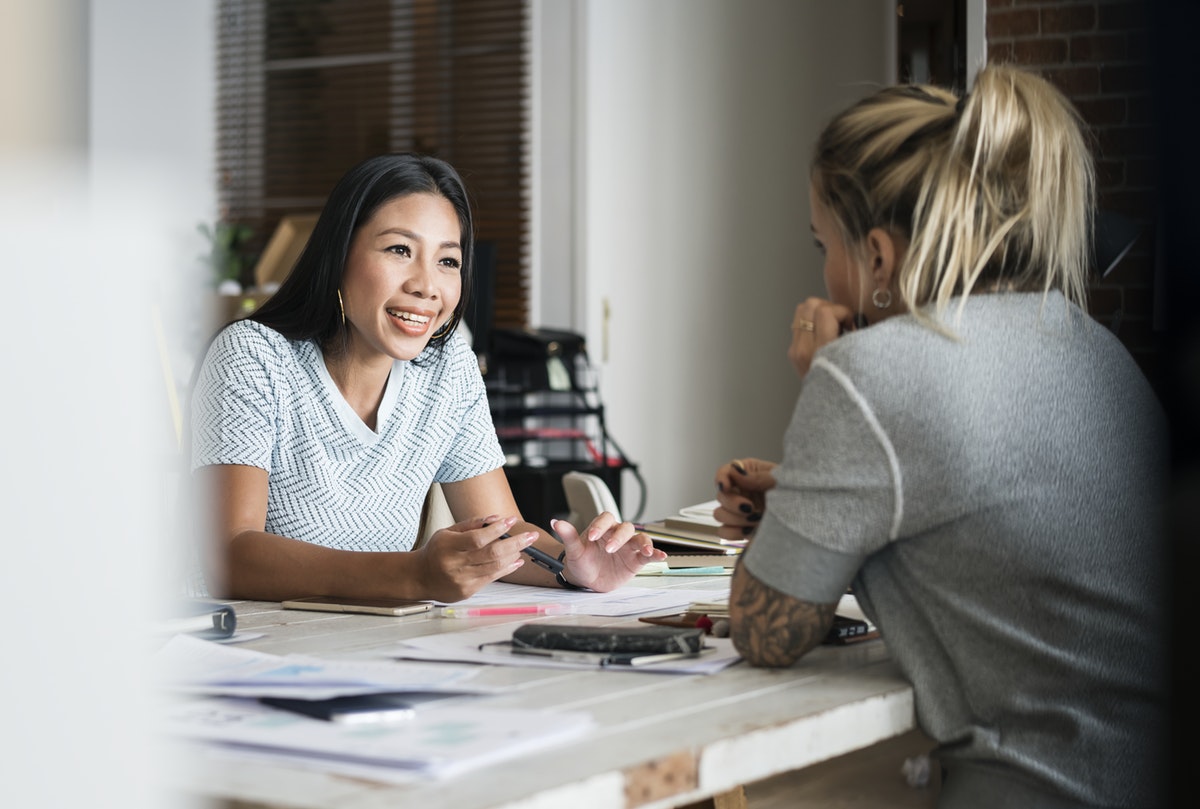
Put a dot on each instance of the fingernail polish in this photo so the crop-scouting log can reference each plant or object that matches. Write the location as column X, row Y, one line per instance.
column 745, row 508
column 754, row 517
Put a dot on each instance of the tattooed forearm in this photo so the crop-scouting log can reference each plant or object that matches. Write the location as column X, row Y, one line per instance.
column 770, row 628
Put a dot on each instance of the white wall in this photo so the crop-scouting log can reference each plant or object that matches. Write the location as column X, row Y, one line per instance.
column 152, row 91
column 84, row 246
column 693, row 124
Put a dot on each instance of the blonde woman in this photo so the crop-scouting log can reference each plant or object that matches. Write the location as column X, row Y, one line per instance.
column 970, row 451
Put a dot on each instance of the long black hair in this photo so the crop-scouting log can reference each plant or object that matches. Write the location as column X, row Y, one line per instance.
column 306, row 305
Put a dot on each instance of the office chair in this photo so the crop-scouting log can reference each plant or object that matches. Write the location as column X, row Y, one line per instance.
column 587, row 496
column 435, row 515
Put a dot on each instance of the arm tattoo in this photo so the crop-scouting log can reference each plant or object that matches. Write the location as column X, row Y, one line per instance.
column 770, row 628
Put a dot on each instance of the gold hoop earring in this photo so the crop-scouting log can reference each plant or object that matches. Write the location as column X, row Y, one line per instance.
column 447, row 327
column 341, row 308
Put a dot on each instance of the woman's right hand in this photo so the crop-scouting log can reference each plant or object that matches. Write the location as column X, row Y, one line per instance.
column 816, row 323
column 742, row 486
column 460, row 560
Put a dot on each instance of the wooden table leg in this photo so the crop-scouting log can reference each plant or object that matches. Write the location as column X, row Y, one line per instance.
column 733, row 799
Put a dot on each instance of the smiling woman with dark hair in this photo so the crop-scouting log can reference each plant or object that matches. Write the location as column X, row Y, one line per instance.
column 321, row 421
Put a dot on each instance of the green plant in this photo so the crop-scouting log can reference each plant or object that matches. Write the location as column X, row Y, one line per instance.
column 227, row 256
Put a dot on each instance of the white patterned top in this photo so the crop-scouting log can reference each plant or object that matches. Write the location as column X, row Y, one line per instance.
column 263, row 400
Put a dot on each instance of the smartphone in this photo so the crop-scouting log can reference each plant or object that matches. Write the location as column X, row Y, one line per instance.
column 357, row 708
column 370, row 606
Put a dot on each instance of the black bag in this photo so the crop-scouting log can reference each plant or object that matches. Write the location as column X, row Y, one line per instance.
column 628, row 640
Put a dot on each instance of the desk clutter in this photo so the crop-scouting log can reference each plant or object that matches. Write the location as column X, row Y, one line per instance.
column 712, row 617
column 690, row 540
column 334, row 708
column 414, row 710
column 425, row 720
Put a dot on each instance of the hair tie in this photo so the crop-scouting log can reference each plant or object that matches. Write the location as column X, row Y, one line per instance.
column 961, row 105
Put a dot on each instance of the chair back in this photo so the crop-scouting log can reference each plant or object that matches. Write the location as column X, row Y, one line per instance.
column 587, row 497
column 435, row 515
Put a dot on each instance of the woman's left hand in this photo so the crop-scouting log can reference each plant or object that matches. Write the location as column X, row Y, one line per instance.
column 608, row 554
column 815, row 323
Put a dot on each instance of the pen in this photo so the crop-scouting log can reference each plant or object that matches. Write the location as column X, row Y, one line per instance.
column 485, row 610
column 543, row 559
column 692, row 571
column 558, row 655
column 540, row 558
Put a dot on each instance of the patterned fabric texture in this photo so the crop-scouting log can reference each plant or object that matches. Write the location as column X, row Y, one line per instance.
column 263, row 400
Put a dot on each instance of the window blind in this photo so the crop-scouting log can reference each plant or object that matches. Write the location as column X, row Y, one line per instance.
column 307, row 88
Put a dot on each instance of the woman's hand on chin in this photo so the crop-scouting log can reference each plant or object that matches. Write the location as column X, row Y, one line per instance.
column 815, row 323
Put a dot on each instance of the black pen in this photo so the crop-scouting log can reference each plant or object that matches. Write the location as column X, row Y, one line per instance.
column 541, row 558
column 544, row 559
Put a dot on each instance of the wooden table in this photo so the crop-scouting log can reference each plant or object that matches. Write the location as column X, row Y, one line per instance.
column 661, row 740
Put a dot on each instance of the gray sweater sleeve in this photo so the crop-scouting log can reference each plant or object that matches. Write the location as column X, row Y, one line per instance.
column 780, row 558
column 837, row 493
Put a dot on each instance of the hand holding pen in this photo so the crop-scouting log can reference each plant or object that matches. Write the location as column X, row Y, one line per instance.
column 458, row 561
column 608, row 554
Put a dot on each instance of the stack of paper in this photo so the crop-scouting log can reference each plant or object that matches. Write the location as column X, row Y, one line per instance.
column 693, row 531
column 435, row 742
column 436, row 739
column 715, row 608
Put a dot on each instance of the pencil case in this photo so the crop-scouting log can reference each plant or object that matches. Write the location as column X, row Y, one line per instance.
column 635, row 640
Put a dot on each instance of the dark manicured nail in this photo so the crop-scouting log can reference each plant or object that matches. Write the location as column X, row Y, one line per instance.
column 754, row 517
column 745, row 508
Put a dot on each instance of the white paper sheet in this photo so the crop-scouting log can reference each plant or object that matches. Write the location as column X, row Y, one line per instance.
column 623, row 601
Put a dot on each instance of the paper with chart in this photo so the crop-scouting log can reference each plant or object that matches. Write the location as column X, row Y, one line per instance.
column 188, row 665
column 435, row 742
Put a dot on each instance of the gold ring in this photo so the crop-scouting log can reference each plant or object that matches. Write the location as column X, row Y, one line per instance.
column 806, row 325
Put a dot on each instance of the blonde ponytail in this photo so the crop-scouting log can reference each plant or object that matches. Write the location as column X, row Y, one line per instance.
column 994, row 191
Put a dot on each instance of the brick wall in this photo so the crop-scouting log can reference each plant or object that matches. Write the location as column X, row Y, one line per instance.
column 1097, row 53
